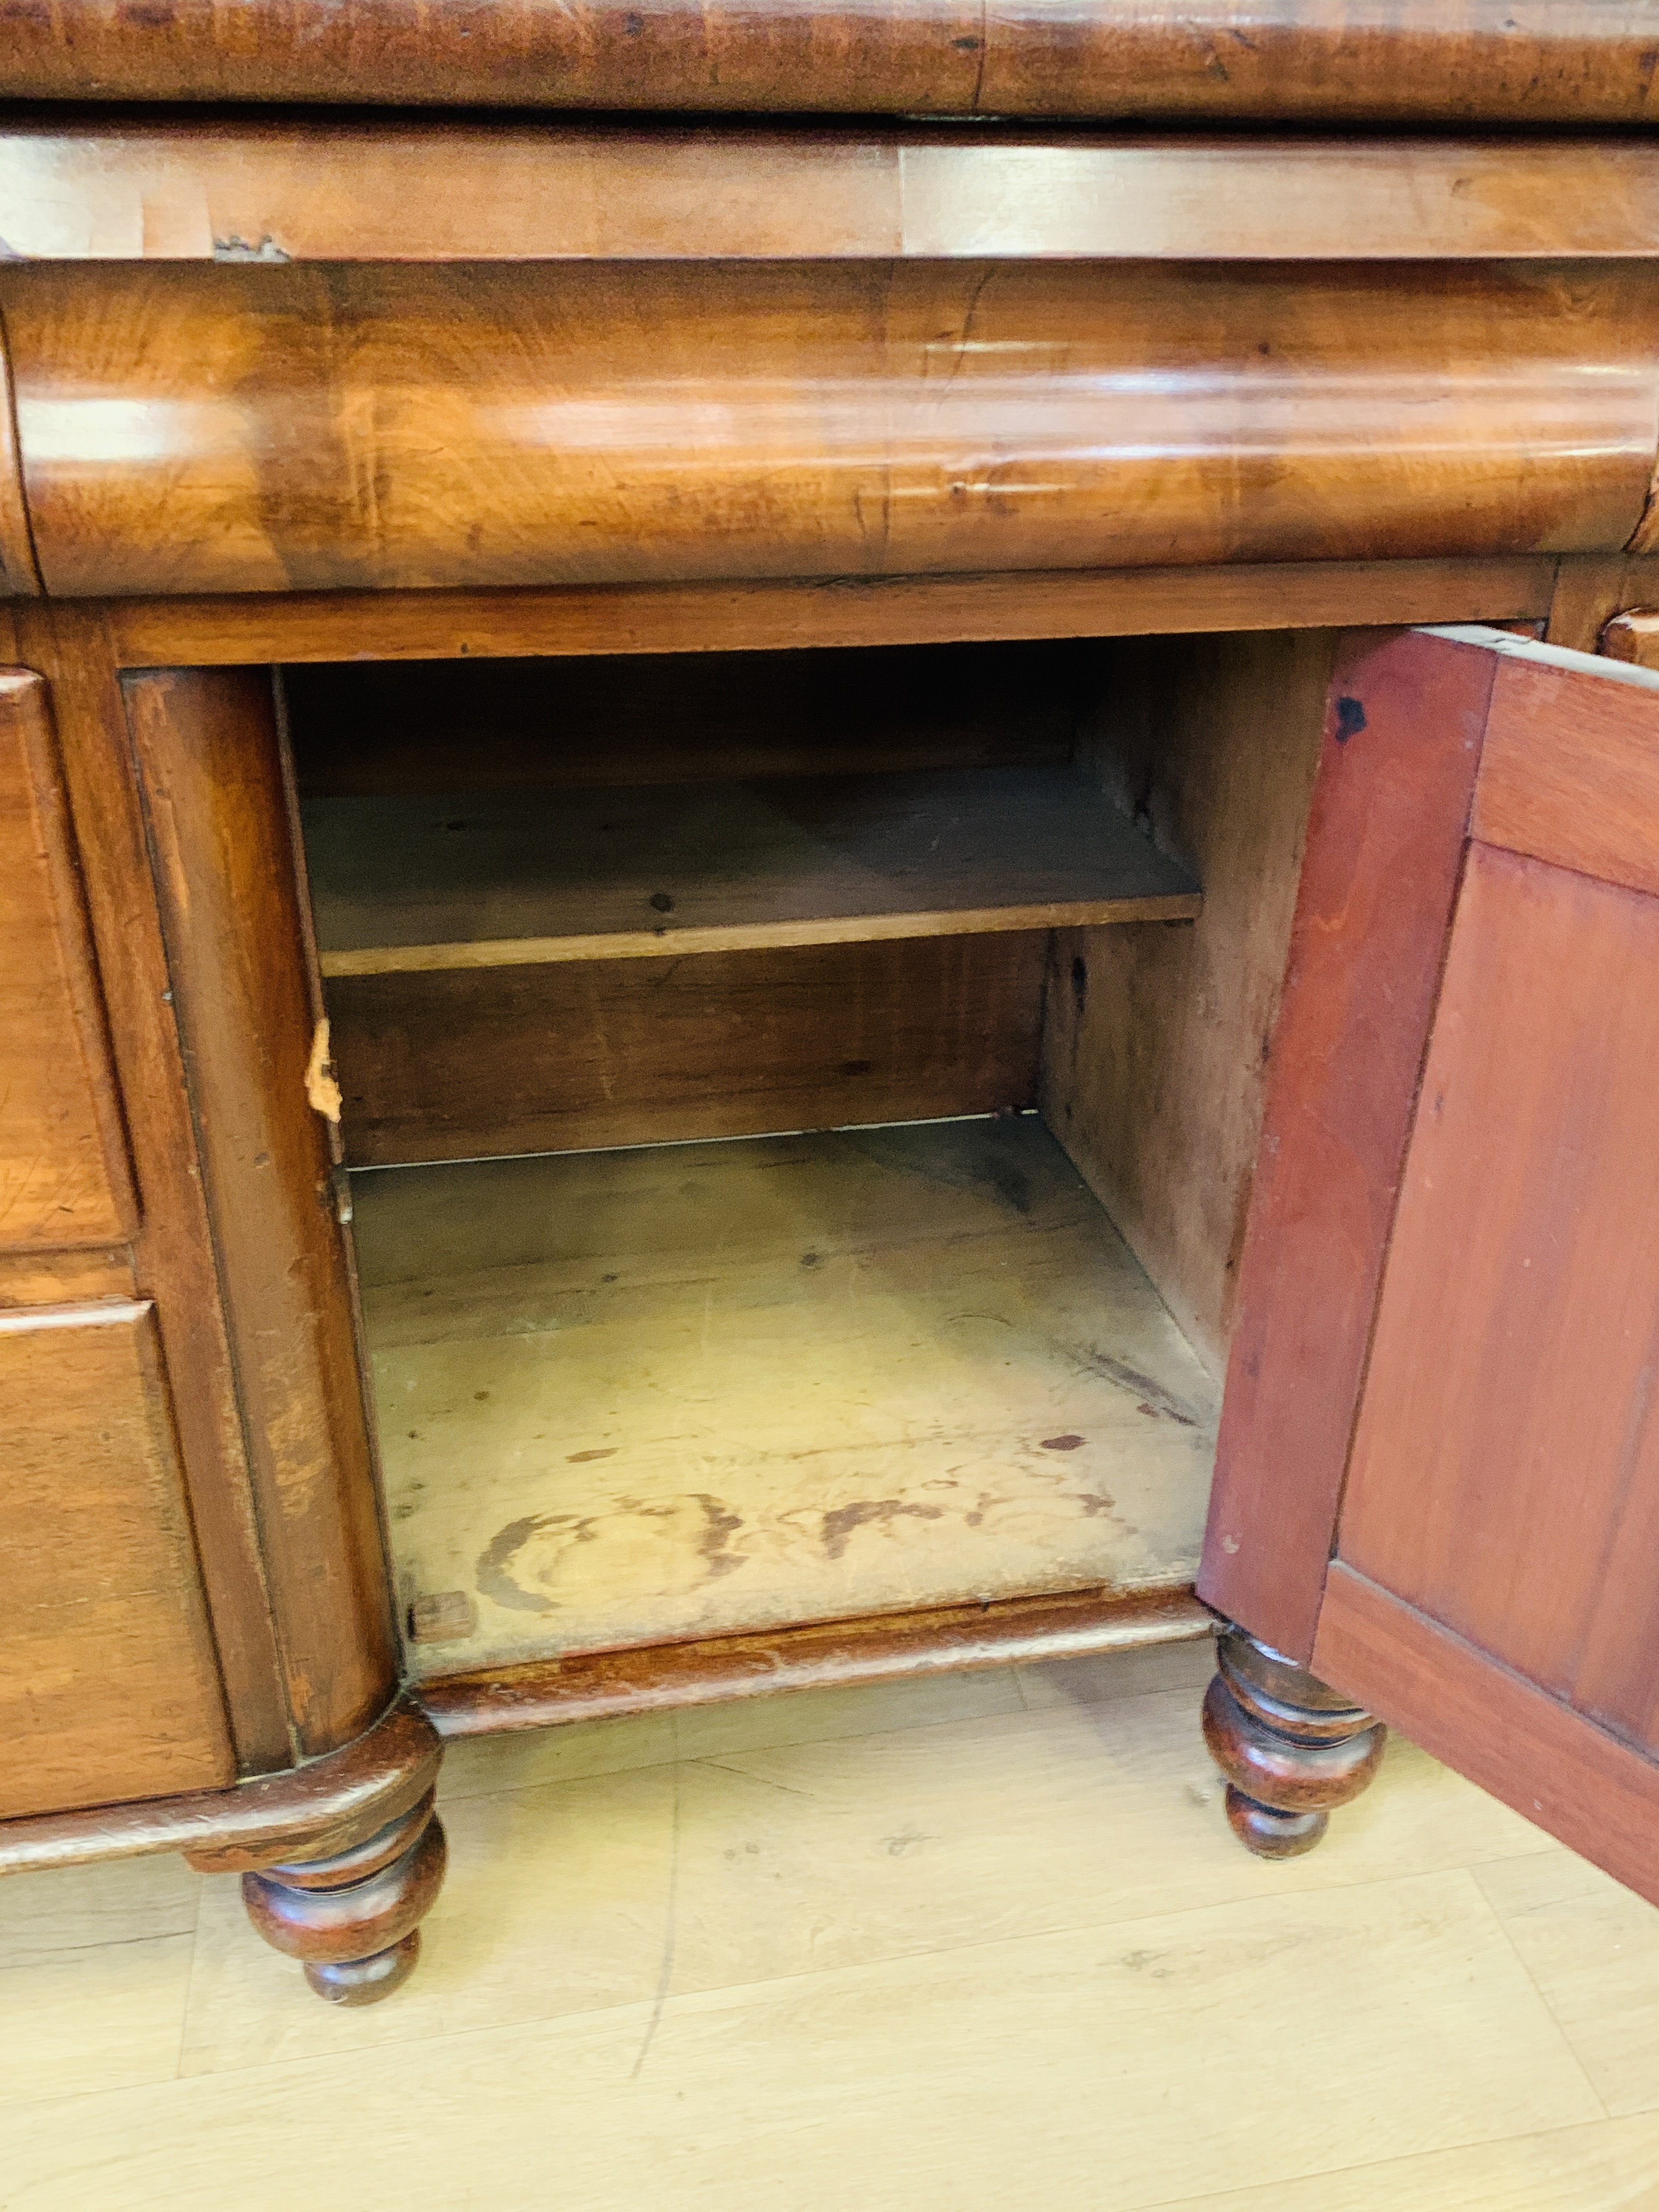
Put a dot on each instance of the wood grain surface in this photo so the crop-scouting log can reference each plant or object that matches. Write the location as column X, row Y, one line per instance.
column 1440, row 61
column 191, row 429
column 239, row 630
column 1591, row 589
column 1491, row 1589
column 1570, row 772
column 402, row 885
column 326, row 1803
column 19, row 578
column 820, row 1656
column 349, row 189
column 1460, row 1702
column 1384, row 850
column 208, row 752
column 1153, row 1040
column 173, row 1260
column 632, row 1397
column 1507, row 1483
column 1633, row 637
column 65, row 1180
column 109, row 1687
column 467, row 1063
column 46, row 1278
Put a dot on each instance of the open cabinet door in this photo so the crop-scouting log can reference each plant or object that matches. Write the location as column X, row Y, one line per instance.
column 1438, row 1481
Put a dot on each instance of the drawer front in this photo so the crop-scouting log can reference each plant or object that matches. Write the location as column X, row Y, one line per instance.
column 63, row 1176
column 597, row 422
column 109, row 1688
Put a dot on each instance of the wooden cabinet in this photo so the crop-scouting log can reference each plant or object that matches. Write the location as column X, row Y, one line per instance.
column 737, row 954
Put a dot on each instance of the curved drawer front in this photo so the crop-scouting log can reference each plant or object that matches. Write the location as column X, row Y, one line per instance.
column 185, row 428
column 1400, row 60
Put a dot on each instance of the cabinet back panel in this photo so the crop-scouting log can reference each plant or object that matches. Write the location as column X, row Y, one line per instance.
column 463, row 1063
column 109, row 1689
column 362, row 729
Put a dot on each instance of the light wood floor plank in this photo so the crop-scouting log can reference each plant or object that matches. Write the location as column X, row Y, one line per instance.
column 1134, row 2066
column 843, row 1851
column 1593, row 1950
column 556, row 1902
column 1005, row 1955
column 75, row 2021
column 75, row 1908
column 1606, row 2166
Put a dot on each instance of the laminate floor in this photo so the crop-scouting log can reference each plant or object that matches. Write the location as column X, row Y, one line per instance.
column 980, row 1942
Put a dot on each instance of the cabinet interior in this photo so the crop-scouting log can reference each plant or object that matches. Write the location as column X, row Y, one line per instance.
column 801, row 1107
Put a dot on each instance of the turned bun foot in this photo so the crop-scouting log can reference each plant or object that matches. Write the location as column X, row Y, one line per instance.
column 353, row 1919
column 1290, row 1748
column 365, row 1981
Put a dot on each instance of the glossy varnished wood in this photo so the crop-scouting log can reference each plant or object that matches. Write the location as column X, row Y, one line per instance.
column 352, row 1917
column 819, row 1655
column 1464, row 60
column 961, row 1918
column 354, row 190
column 327, row 1804
column 1591, row 590
column 1292, row 1748
column 1385, row 845
column 186, row 430
column 1633, row 636
column 218, row 809
column 109, row 1687
column 19, row 576
column 1456, row 1500
column 845, row 612
column 65, row 1180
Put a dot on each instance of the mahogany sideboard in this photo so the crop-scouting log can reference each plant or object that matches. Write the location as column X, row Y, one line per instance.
column 785, row 867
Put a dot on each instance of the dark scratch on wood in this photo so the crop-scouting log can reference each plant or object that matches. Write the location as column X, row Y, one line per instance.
column 665, row 1972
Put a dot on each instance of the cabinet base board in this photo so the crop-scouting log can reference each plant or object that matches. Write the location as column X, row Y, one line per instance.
column 827, row 1655
column 311, row 1811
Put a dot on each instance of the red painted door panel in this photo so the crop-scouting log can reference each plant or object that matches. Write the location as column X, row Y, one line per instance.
column 1473, row 1518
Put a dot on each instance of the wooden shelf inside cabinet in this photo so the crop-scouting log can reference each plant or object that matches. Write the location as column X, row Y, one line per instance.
column 406, row 883
column 693, row 1390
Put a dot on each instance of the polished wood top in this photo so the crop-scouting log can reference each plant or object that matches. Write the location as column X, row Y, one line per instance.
column 1349, row 61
